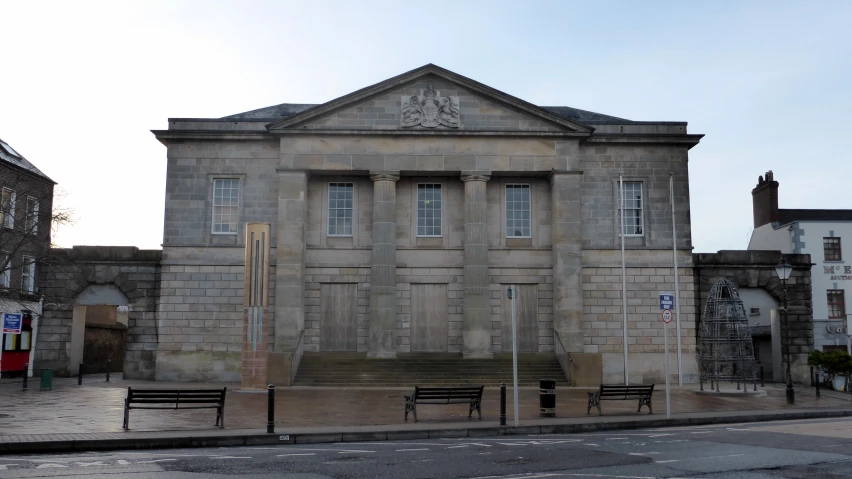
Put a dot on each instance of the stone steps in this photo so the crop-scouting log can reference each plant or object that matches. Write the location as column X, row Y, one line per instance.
column 355, row 369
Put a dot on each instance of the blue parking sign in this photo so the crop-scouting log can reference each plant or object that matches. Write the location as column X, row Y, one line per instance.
column 12, row 322
column 666, row 300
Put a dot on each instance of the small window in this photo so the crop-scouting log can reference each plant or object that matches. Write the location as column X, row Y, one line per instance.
column 429, row 210
column 28, row 275
column 633, row 219
column 32, row 215
column 7, row 204
column 754, row 312
column 836, row 304
column 518, row 211
column 6, row 274
column 226, row 205
column 831, row 248
column 340, row 197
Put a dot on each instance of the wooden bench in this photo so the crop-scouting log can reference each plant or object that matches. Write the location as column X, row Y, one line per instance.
column 471, row 395
column 616, row 392
column 178, row 399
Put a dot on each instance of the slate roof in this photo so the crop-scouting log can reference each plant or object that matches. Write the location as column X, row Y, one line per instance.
column 788, row 216
column 9, row 155
column 285, row 110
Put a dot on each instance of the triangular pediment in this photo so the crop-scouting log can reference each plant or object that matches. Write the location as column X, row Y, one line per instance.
column 429, row 98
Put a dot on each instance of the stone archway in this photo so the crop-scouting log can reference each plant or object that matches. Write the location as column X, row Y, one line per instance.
column 98, row 329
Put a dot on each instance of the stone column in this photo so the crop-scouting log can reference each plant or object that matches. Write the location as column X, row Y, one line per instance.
column 476, row 331
column 567, row 259
column 289, row 275
column 383, row 268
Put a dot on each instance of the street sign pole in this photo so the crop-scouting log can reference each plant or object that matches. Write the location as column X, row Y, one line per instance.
column 667, row 317
column 514, row 297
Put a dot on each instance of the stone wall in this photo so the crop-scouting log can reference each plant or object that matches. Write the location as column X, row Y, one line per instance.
column 756, row 269
column 135, row 272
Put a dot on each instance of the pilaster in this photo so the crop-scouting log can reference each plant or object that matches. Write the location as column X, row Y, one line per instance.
column 383, row 268
column 567, row 230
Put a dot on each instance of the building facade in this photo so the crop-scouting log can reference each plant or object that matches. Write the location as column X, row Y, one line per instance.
column 26, row 214
column 820, row 233
column 399, row 216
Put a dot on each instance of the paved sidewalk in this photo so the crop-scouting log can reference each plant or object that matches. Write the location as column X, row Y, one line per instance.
column 88, row 417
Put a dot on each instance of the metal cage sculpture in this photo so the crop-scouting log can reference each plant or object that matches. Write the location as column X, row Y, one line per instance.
column 726, row 350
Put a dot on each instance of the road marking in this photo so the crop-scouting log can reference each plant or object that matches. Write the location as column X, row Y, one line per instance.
column 297, row 454
column 643, row 453
column 592, row 444
column 697, row 458
column 456, row 447
column 616, row 439
column 87, row 464
column 660, row 435
column 43, row 466
column 408, row 450
column 352, row 451
column 4, row 467
column 122, row 462
column 670, row 460
column 156, row 460
column 701, row 432
column 229, row 457
column 835, row 445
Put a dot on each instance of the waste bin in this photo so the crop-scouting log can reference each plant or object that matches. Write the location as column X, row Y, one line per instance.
column 46, row 379
column 547, row 398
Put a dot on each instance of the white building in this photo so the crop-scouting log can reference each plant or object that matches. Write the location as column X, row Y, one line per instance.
column 823, row 234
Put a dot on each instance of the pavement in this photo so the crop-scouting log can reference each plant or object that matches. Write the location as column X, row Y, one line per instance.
column 88, row 417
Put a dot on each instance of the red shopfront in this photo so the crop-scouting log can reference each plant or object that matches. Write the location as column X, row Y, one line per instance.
column 15, row 351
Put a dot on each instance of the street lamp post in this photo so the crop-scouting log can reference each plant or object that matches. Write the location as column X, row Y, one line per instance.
column 783, row 270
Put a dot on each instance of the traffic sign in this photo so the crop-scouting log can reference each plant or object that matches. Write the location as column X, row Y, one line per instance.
column 666, row 300
column 12, row 322
column 667, row 316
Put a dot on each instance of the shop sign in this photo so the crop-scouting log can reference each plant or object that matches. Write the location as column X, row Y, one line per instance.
column 12, row 322
column 839, row 273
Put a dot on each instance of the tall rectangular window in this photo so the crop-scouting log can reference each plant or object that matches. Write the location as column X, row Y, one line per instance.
column 7, row 205
column 831, row 249
column 226, row 205
column 836, row 304
column 28, row 275
column 633, row 220
column 340, row 209
column 428, row 210
column 32, row 215
column 518, row 211
column 6, row 273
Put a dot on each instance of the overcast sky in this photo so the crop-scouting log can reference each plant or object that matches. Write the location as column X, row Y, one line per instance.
column 83, row 83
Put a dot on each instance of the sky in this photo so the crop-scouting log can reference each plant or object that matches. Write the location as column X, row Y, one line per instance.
column 768, row 83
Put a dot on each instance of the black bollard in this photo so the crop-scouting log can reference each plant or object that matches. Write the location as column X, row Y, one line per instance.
column 80, row 374
column 761, row 376
column 816, row 383
column 812, row 376
column 109, row 366
column 502, row 404
column 25, row 379
column 270, row 410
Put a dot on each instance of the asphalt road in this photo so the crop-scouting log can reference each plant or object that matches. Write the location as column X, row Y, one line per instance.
column 789, row 449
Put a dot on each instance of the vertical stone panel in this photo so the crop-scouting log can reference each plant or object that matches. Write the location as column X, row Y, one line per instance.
column 477, row 324
column 290, row 260
column 429, row 325
column 567, row 259
column 338, row 317
column 383, row 270
column 526, row 319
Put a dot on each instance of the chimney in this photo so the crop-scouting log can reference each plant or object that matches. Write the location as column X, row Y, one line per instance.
column 764, row 198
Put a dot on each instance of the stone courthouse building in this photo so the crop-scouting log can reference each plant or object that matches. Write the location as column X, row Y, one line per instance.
column 401, row 213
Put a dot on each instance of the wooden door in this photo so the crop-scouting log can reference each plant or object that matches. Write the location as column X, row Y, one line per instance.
column 338, row 317
column 527, row 318
column 428, row 318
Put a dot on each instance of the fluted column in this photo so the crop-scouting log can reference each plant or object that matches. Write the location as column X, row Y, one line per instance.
column 477, row 318
column 567, row 259
column 383, row 268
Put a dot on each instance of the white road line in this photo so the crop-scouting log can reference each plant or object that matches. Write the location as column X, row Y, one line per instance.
column 616, row 439
column 5, row 467
column 643, row 453
column 592, row 444
column 297, row 454
column 353, row 451
column 670, row 460
column 229, row 457
column 456, row 447
column 156, row 460
column 701, row 432
column 660, row 435
column 418, row 449
column 162, row 454
column 835, row 445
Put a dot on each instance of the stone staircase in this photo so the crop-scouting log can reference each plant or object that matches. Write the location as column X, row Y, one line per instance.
column 409, row 369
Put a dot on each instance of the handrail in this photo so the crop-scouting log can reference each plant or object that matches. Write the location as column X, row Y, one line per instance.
column 563, row 356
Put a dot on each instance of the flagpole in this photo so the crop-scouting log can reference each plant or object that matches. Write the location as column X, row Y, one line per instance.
column 676, row 283
column 623, row 280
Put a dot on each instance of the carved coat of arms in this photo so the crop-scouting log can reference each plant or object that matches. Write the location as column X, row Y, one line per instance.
column 430, row 109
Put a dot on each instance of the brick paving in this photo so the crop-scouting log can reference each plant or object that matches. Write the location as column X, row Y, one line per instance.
column 96, row 408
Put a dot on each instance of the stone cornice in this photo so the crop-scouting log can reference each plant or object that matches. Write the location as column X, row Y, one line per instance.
column 384, row 176
column 459, row 132
column 475, row 176
column 685, row 140
column 165, row 135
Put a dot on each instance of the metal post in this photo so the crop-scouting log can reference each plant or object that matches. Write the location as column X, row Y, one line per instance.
column 515, row 348
column 761, row 376
column 812, row 376
column 80, row 374
column 270, row 410
column 109, row 366
column 25, row 379
column 502, row 404
column 817, row 383
column 791, row 399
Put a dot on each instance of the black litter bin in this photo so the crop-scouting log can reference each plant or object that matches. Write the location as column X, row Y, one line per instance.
column 547, row 398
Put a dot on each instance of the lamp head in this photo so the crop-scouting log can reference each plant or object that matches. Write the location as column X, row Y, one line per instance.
column 783, row 269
